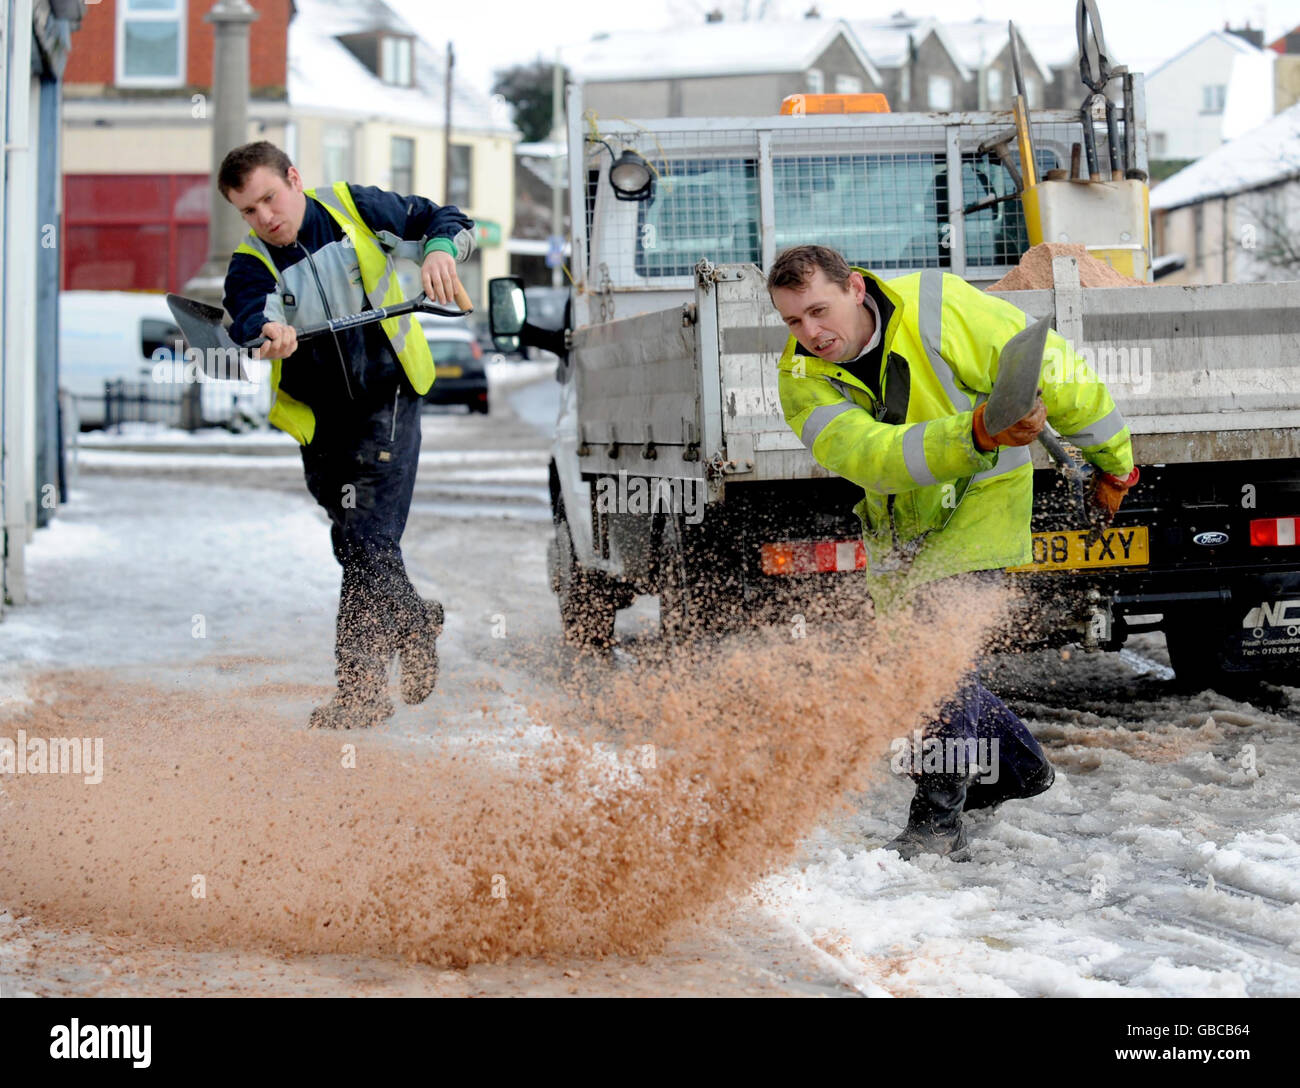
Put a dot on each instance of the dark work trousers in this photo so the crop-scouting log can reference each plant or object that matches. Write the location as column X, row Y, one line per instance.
column 974, row 719
column 362, row 471
column 970, row 722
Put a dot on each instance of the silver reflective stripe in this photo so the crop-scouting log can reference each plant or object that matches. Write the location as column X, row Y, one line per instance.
column 273, row 309
column 1103, row 430
column 412, row 251
column 914, row 455
column 330, row 199
column 1009, row 459
column 819, row 417
column 842, row 388
column 930, row 324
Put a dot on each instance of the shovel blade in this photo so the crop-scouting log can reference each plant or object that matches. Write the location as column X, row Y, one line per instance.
column 1020, row 368
column 201, row 326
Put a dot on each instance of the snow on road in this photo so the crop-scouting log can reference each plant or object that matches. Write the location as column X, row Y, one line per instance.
column 1165, row 860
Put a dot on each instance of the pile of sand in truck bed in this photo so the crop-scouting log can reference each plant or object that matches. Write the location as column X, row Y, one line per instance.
column 1034, row 272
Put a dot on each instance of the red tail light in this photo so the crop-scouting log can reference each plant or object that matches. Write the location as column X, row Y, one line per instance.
column 813, row 557
column 478, row 351
column 1273, row 532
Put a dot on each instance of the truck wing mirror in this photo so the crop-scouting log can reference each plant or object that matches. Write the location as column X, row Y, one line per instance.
column 507, row 311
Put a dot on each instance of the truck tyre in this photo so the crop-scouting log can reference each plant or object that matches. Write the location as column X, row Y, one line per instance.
column 588, row 602
column 691, row 604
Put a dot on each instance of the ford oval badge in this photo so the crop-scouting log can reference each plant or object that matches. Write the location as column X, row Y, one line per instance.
column 1210, row 540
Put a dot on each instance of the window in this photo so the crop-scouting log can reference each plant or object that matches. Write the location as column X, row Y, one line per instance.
column 403, row 172
column 816, row 81
column 1213, row 95
column 336, row 154
column 1033, row 91
column 1159, row 145
column 995, row 87
column 880, row 211
column 460, row 190
column 848, row 85
column 996, row 235
column 939, row 91
column 395, row 61
column 150, row 43
column 1198, row 231
column 700, row 208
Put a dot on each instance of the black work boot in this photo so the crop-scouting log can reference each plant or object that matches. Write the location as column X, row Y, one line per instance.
column 419, row 656
column 361, row 701
column 934, row 820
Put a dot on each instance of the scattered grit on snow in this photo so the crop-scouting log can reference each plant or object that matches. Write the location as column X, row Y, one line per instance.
column 1163, row 862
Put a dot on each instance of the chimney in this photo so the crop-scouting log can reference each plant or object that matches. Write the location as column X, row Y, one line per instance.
column 1255, row 37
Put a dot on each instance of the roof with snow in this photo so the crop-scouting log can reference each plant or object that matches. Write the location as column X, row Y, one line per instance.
column 1266, row 154
column 325, row 75
column 886, row 41
column 1240, row 44
column 979, row 41
column 711, row 49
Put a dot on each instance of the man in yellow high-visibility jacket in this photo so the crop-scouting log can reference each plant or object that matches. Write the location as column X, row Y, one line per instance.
column 885, row 383
column 351, row 400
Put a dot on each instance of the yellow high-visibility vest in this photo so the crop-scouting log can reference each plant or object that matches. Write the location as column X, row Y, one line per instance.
column 379, row 281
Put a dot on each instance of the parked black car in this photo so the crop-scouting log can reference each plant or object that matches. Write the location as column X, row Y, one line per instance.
column 460, row 377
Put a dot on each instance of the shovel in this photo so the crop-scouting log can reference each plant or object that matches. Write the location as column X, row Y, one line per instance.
column 201, row 326
column 1020, row 367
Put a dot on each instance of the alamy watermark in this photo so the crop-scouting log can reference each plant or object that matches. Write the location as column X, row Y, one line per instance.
column 213, row 365
column 643, row 495
column 963, row 756
column 1114, row 364
column 57, row 755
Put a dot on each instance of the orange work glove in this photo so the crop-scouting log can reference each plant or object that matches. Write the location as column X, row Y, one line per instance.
column 1020, row 433
column 1108, row 492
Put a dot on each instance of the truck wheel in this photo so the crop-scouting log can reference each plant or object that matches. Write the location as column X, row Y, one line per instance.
column 588, row 604
column 1194, row 653
column 690, row 605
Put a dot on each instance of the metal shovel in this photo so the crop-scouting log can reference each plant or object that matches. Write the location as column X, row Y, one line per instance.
column 201, row 326
column 1020, row 369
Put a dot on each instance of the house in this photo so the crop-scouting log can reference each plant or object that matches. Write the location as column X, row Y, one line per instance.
column 1235, row 213
column 531, row 249
column 1215, row 88
column 984, row 48
column 719, row 69
column 1286, row 68
column 39, row 33
column 917, row 61
column 347, row 87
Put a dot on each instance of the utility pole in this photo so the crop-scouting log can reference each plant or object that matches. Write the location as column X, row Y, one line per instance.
column 557, row 169
column 446, row 127
column 230, row 21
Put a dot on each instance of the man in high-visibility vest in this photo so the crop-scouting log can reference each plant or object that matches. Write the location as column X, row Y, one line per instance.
column 885, row 381
column 352, row 400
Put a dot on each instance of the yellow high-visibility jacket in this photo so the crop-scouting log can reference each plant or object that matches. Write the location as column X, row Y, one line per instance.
column 933, row 503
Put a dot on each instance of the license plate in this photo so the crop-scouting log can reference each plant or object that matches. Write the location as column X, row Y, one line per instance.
column 1072, row 550
column 447, row 372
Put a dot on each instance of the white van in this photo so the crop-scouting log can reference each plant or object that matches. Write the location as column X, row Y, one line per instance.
column 121, row 336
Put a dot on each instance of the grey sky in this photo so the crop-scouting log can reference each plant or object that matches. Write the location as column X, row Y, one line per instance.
column 494, row 34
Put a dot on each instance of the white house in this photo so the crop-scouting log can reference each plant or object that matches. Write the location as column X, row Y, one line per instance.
column 1235, row 214
column 1206, row 93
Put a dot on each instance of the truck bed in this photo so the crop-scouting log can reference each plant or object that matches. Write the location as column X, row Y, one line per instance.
column 1201, row 373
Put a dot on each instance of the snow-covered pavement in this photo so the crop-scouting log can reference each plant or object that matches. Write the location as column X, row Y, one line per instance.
column 1165, row 860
